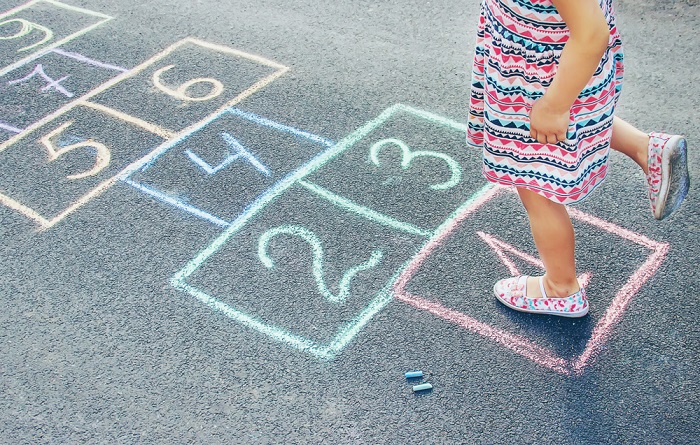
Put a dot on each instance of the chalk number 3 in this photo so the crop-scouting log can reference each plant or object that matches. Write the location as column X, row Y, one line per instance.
column 407, row 157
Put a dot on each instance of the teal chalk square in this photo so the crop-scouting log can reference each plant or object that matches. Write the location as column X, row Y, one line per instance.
column 411, row 165
column 305, row 236
column 351, row 230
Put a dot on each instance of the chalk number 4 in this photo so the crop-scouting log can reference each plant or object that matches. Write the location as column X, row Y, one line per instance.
column 102, row 153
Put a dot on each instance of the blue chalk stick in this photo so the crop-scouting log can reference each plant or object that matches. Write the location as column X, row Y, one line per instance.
column 422, row 387
column 414, row 374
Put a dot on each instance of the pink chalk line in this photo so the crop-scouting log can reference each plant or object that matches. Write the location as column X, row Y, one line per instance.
column 89, row 61
column 523, row 346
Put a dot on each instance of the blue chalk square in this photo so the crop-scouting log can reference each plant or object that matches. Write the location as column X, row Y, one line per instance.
column 214, row 172
column 304, row 271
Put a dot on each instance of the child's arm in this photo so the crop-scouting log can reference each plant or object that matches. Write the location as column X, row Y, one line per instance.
column 588, row 40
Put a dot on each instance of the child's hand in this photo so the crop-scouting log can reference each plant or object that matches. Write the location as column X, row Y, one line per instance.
column 548, row 124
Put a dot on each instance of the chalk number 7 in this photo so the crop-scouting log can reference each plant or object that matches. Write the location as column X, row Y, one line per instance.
column 102, row 153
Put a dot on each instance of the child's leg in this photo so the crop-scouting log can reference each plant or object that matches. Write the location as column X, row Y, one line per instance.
column 554, row 237
column 632, row 142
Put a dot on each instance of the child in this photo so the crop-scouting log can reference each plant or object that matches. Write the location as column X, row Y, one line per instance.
column 547, row 76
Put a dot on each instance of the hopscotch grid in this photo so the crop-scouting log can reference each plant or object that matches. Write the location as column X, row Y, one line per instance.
column 347, row 332
column 48, row 48
column 45, row 223
column 523, row 346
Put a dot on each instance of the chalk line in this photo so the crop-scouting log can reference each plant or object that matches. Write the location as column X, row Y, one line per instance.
column 89, row 61
column 10, row 128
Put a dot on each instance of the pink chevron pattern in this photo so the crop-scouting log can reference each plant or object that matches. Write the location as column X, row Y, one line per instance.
column 518, row 46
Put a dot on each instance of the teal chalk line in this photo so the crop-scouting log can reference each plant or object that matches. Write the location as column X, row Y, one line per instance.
column 280, row 188
column 364, row 211
column 317, row 266
column 347, row 332
column 408, row 156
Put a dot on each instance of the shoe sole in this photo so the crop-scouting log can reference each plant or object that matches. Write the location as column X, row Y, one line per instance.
column 530, row 311
column 675, row 180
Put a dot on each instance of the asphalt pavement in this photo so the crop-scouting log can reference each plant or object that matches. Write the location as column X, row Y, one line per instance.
column 243, row 223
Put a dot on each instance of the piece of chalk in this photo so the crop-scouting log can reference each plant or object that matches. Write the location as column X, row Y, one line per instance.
column 414, row 374
column 422, row 387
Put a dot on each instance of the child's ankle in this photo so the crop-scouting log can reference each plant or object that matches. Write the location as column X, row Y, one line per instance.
column 561, row 289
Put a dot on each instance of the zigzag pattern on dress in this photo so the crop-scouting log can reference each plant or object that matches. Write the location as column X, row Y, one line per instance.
column 518, row 46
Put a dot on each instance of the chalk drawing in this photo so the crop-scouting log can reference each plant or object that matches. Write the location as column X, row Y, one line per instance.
column 103, row 154
column 236, row 151
column 26, row 28
column 501, row 247
column 518, row 344
column 368, row 213
column 55, row 84
column 10, row 128
column 155, row 129
column 181, row 91
column 408, row 156
column 325, row 351
column 317, row 268
column 88, row 61
column 46, row 223
column 198, row 212
column 50, row 40
column 84, row 100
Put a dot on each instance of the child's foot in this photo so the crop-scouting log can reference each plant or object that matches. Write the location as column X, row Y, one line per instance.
column 513, row 292
column 668, row 173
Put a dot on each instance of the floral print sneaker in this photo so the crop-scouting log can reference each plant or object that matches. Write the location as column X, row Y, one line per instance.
column 668, row 178
column 512, row 293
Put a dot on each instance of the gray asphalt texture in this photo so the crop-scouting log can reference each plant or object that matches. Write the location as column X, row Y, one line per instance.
column 99, row 346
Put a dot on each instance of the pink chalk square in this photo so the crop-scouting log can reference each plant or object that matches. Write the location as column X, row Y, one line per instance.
column 607, row 313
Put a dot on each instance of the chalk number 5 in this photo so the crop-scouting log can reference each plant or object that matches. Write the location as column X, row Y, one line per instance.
column 102, row 152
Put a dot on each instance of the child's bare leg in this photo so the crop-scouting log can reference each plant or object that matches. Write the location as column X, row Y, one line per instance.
column 554, row 237
column 632, row 142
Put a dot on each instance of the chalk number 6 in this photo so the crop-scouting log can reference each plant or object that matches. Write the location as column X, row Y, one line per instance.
column 181, row 91
column 102, row 152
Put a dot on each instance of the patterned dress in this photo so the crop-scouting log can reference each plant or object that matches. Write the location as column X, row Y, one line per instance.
column 519, row 43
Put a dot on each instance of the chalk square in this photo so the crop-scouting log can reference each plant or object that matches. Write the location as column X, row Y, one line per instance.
column 468, row 301
column 217, row 170
column 298, row 179
column 313, row 246
column 186, row 83
column 26, row 96
column 409, row 165
column 89, row 147
column 40, row 26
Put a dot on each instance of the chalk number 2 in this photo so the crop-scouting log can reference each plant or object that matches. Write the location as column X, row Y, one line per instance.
column 317, row 251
